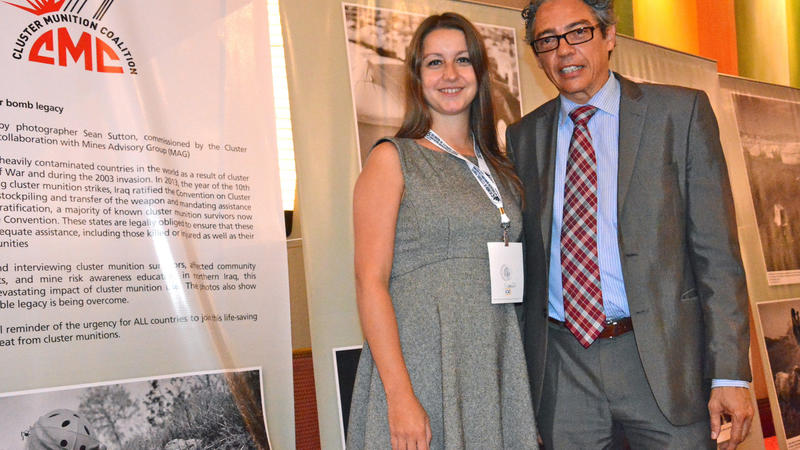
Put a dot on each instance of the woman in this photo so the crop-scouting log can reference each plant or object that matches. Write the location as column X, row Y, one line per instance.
column 442, row 366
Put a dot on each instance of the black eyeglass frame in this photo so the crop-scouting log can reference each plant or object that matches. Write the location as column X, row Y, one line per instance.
column 564, row 36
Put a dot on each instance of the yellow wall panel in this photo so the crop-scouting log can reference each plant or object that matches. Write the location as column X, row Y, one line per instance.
column 671, row 23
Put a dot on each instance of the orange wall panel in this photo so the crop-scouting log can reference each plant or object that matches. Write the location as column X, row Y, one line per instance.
column 716, row 24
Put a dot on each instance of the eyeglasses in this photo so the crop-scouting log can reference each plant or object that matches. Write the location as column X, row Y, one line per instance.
column 574, row 37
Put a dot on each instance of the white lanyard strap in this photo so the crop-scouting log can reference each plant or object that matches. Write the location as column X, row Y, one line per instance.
column 480, row 172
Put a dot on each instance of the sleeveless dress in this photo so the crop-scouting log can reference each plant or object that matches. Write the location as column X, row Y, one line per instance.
column 464, row 355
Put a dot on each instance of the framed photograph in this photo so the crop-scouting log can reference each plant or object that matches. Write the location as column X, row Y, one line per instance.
column 780, row 323
column 377, row 39
column 345, row 361
column 769, row 131
column 219, row 409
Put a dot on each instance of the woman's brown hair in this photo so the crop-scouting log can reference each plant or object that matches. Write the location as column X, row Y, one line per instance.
column 417, row 120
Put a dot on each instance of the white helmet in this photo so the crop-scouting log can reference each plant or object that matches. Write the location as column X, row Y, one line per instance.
column 62, row 429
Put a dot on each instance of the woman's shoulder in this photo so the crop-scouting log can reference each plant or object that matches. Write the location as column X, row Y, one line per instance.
column 385, row 152
column 383, row 167
column 399, row 144
column 402, row 150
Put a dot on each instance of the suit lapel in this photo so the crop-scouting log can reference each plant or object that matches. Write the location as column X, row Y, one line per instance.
column 547, row 135
column 632, row 112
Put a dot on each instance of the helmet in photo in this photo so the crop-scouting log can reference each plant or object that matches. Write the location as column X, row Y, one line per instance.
column 62, row 429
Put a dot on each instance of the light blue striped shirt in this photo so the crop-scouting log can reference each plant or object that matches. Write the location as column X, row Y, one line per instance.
column 604, row 128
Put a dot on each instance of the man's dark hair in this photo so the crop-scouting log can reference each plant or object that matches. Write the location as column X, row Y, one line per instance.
column 603, row 11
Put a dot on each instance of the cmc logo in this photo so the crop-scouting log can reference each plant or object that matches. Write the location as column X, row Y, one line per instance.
column 62, row 37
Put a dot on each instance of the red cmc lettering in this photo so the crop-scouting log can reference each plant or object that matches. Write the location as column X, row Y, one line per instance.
column 104, row 49
column 83, row 48
column 46, row 40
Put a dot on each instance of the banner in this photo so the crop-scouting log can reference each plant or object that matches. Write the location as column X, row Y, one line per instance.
column 144, row 254
column 645, row 62
column 763, row 119
column 327, row 148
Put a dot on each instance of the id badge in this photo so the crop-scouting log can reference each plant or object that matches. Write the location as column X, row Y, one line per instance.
column 506, row 274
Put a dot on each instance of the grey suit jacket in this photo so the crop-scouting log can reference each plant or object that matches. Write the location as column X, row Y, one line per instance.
column 677, row 238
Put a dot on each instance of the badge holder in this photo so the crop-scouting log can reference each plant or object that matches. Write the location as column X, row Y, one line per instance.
column 506, row 270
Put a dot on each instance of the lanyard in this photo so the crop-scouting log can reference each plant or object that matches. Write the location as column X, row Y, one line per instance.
column 481, row 173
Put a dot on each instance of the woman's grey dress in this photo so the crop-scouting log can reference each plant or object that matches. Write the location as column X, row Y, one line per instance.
column 463, row 353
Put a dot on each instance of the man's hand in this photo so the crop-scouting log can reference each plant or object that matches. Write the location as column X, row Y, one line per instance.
column 734, row 401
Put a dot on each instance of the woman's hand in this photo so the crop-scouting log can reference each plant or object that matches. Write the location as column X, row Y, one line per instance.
column 409, row 425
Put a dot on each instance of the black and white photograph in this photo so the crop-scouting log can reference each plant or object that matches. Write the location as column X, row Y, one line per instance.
column 346, row 364
column 769, row 130
column 376, row 48
column 198, row 411
column 780, row 321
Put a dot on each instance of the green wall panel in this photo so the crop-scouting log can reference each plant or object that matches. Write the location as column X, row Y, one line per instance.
column 793, row 34
column 763, row 44
column 624, row 10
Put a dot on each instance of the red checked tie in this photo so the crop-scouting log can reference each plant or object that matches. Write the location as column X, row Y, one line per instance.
column 580, row 273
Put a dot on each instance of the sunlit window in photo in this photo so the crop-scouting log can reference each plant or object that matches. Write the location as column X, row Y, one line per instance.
column 283, row 116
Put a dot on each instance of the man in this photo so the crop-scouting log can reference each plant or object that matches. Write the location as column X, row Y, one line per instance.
column 636, row 308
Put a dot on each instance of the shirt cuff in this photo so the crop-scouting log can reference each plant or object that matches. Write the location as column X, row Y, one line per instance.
column 715, row 383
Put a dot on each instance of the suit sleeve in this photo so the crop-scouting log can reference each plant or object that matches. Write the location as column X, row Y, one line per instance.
column 518, row 308
column 714, row 249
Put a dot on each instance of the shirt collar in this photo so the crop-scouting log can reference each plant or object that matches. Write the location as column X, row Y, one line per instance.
column 606, row 100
